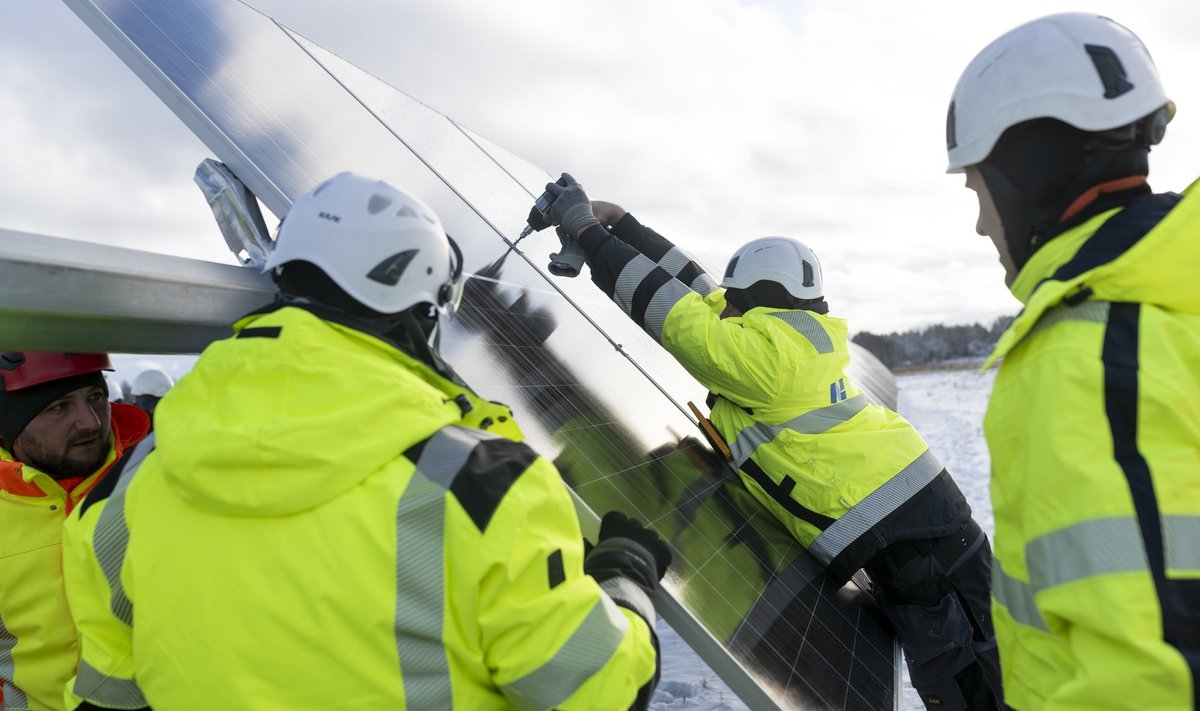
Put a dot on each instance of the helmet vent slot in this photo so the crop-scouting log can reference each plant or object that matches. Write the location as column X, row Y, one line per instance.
column 378, row 203
column 389, row 271
column 1110, row 69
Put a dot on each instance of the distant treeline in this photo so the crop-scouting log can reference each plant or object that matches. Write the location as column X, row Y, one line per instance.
column 933, row 344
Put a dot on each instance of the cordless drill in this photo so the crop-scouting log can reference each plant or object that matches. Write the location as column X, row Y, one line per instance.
column 539, row 215
column 567, row 262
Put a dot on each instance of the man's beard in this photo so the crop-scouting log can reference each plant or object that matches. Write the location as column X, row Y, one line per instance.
column 71, row 461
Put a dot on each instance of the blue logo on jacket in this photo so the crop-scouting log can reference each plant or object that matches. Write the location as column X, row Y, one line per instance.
column 837, row 391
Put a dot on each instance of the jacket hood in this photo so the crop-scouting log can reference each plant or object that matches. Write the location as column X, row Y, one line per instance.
column 290, row 413
column 1158, row 268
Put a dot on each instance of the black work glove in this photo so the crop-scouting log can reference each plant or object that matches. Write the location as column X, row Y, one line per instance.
column 571, row 207
column 626, row 547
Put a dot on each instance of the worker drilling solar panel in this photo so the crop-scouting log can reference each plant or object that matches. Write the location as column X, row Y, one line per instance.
column 593, row 392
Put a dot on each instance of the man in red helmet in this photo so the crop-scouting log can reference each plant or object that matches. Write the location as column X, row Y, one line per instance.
column 59, row 437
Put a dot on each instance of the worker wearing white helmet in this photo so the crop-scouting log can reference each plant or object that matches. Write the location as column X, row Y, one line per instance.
column 116, row 393
column 325, row 495
column 153, row 382
column 1094, row 423
column 148, row 388
column 851, row 480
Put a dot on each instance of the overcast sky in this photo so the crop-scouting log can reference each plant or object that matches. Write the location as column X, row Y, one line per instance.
column 715, row 121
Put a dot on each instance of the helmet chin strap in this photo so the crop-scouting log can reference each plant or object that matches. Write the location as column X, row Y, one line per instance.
column 419, row 336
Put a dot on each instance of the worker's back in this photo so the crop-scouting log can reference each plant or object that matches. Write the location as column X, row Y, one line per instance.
column 313, row 531
column 785, row 400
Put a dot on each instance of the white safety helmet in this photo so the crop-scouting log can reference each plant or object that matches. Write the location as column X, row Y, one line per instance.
column 381, row 245
column 1079, row 68
column 115, row 392
column 783, row 260
column 151, row 382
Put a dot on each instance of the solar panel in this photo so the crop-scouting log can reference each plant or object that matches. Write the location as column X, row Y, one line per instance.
column 593, row 392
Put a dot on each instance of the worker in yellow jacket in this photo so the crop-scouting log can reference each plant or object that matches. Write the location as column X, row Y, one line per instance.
column 316, row 527
column 58, row 439
column 1094, row 421
column 851, row 480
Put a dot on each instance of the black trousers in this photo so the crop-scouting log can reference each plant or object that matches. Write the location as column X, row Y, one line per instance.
column 937, row 595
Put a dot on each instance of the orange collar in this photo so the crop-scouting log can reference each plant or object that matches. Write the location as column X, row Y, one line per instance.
column 1111, row 186
column 12, row 480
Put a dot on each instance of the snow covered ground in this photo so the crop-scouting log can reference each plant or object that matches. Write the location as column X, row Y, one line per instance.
column 946, row 407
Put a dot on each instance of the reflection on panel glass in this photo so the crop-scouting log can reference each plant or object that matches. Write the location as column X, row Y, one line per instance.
column 740, row 573
column 592, row 391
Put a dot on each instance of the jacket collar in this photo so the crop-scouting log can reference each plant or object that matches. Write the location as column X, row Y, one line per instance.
column 1104, row 260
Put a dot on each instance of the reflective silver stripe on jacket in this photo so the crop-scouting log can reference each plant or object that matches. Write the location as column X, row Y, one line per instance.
column 579, row 658
column 14, row 698
column 703, row 285
column 812, row 422
column 877, row 505
column 1181, row 538
column 111, row 536
column 420, row 567
column 1089, row 311
column 632, row 275
column 109, row 691
column 420, row 594
column 1084, row 550
column 660, row 305
column 676, row 260
column 1016, row 597
column 808, row 326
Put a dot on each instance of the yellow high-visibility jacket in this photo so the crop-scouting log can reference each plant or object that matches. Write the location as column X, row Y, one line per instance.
column 37, row 637
column 1094, row 432
column 846, row 476
column 314, row 530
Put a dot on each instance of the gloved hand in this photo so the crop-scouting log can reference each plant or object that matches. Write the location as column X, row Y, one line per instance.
column 616, row 524
column 571, row 207
column 628, row 552
column 570, row 260
column 623, row 538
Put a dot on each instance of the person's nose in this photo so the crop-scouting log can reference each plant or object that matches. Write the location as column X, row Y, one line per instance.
column 86, row 418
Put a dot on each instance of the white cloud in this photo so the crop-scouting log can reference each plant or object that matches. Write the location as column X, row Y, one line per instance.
column 91, row 154
column 715, row 121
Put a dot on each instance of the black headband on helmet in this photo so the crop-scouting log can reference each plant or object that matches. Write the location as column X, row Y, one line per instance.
column 446, row 291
